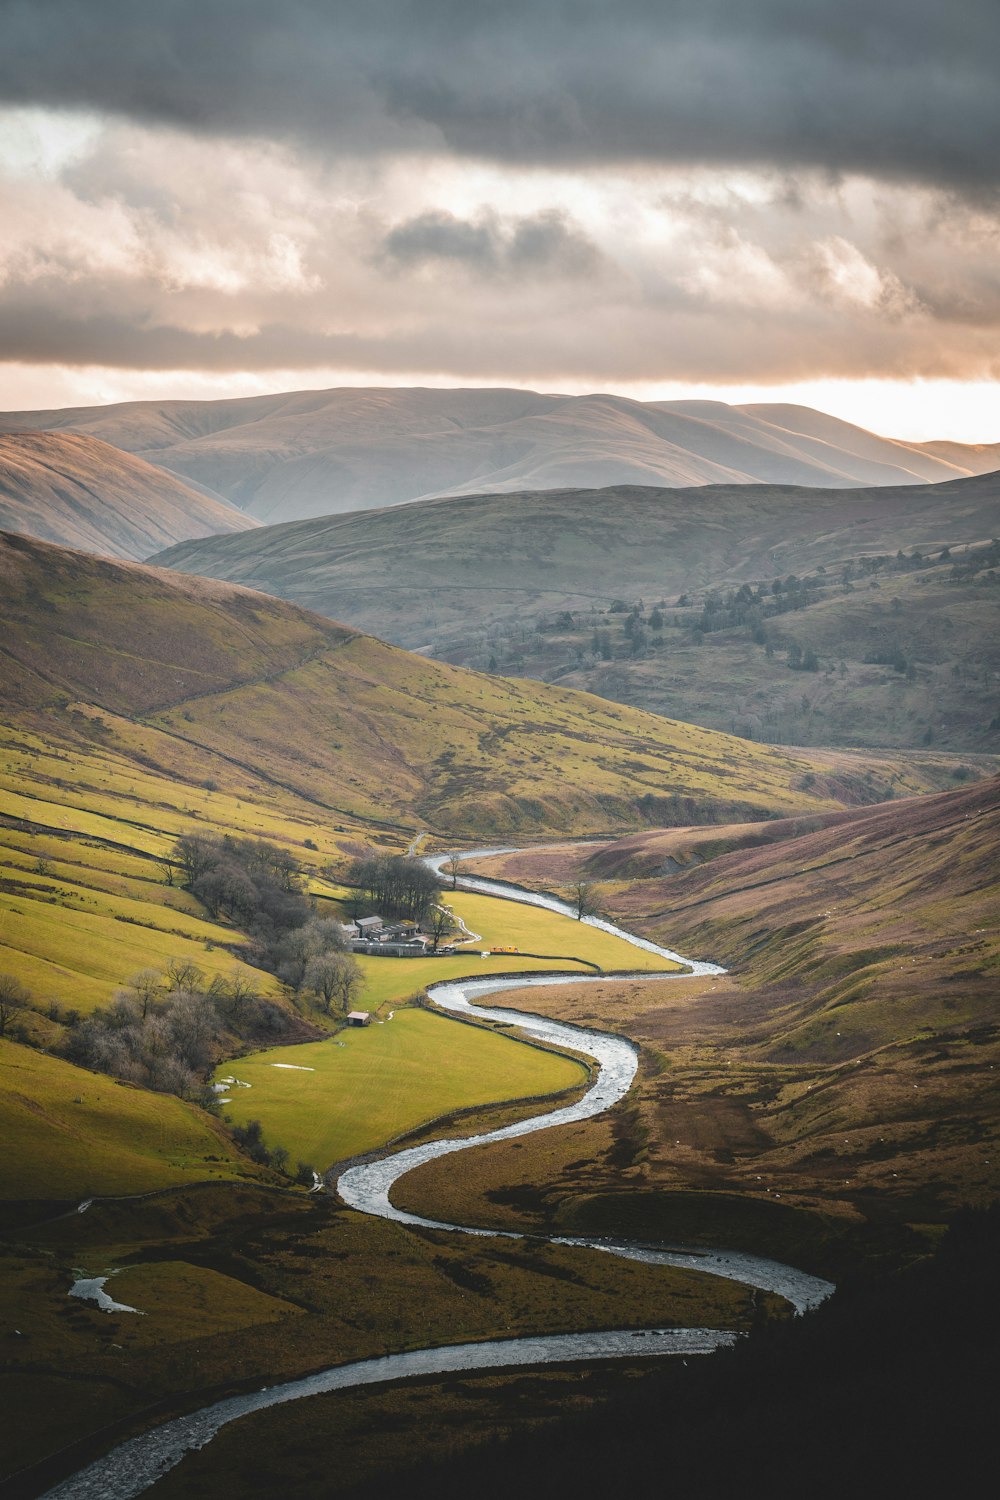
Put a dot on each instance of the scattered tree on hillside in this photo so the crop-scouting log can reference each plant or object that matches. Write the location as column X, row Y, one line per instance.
column 585, row 899
column 334, row 976
column 13, row 997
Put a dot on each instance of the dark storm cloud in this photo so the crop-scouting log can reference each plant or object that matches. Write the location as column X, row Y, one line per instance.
column 896, row 88
column 538, row 243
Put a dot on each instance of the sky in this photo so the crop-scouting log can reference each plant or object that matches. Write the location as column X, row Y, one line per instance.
column 739, row 199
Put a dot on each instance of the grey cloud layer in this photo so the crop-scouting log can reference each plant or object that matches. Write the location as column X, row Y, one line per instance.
column 895, row 88
column 544, row 243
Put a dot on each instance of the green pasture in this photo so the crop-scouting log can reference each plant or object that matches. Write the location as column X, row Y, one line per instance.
column 72, row 940
column 68, row 1133
column 535, row 930
column 531, row 929
column 332, row 1099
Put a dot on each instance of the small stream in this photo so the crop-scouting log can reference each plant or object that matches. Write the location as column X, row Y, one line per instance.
column 135, row 1466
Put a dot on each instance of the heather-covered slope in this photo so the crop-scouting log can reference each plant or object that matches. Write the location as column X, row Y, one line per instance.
column 312, row 453
column 76, row 490
column 847, row 1062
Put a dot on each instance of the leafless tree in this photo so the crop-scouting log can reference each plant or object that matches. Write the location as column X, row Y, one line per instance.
column 182, row 974
column 442, row 921
column 585, row 899
column 146, row 986
column 451, row 867
column 334, row 976
column 13, row 995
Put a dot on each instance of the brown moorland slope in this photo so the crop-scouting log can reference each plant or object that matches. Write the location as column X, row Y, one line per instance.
column 72, row 489
column 847, row 1065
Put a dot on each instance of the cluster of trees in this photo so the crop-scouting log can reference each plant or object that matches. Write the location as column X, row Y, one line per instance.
column 166, row 1030
column 395, row 885
column 251, row 1138
column 256, row 885
column 802, row 659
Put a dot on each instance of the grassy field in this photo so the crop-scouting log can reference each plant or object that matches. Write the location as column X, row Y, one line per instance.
column 370, row 1084
column 70, row 1134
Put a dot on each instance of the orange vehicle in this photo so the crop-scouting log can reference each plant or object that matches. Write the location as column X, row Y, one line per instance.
column 505, row 950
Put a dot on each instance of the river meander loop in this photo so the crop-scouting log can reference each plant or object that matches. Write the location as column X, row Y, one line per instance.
column 135, row 1466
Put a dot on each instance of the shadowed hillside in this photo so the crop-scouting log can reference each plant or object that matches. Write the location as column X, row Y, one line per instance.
column 81, row 492
column 311, row 453
column 803, row 616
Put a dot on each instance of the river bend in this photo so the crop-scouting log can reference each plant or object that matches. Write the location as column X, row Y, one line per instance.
column 133, row 1467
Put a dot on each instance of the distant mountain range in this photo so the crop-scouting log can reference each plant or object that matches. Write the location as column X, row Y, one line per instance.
column 314, row 453
column 76, row 490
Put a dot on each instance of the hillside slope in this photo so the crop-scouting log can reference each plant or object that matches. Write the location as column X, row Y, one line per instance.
column 353, row 726
column 894, row 590
column 311, row 453
column 846, row 1063
column 81, row 492
column 420, row 571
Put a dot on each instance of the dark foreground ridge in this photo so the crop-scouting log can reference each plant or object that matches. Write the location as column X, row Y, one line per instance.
column 887, row 1388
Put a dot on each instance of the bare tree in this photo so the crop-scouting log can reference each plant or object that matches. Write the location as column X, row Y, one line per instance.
column 334, row 976
column 442, row 921
column 13, row 995
column 146, row 986
column 585, row 899
column 182, row 974
column 451, row 867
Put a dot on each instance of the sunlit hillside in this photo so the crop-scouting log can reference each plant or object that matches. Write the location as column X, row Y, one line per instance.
column 142, row 705
column 74, row 489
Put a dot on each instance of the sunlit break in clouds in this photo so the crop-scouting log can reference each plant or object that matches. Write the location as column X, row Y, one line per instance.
column 765, row 199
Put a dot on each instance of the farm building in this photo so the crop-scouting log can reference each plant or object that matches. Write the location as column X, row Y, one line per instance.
column 358, row 1018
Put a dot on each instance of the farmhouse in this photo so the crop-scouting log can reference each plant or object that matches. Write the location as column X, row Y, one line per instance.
column 358, row 1018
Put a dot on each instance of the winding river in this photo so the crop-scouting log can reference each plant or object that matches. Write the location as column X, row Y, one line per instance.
column 135, row 1466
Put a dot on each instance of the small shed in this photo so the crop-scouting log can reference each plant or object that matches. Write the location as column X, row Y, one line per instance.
column 358, row 1018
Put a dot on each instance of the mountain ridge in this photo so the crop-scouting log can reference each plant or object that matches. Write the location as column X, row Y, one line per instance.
column 310, row 453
